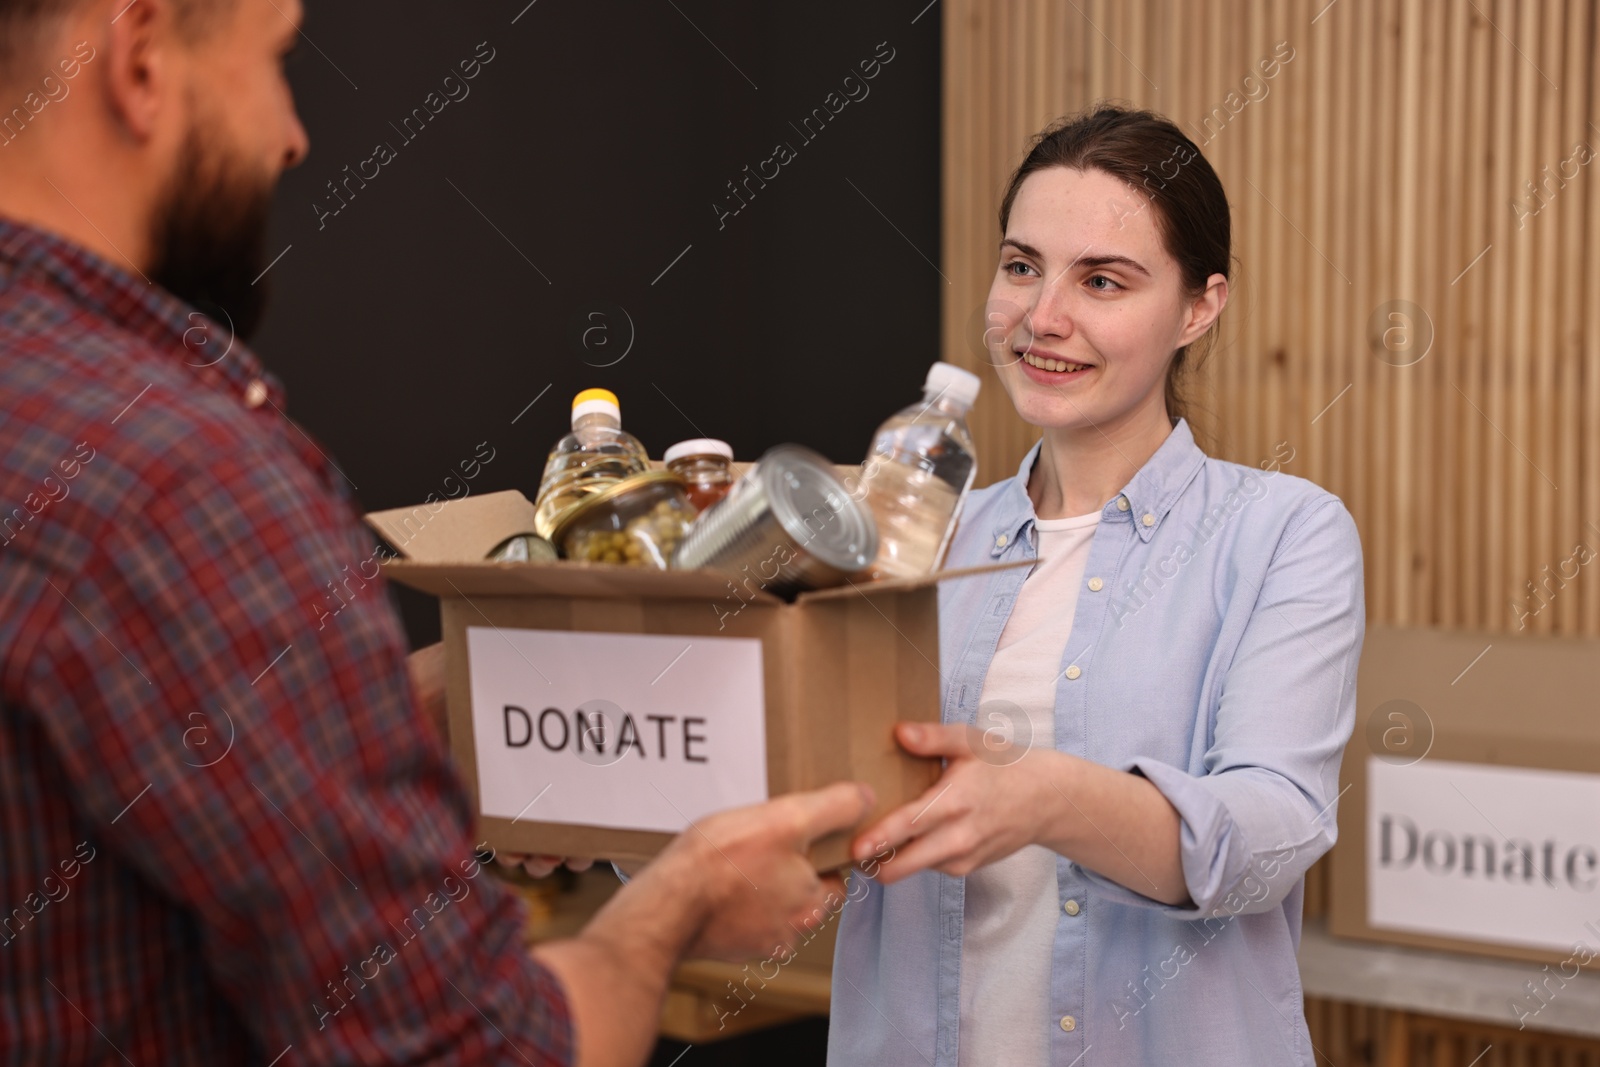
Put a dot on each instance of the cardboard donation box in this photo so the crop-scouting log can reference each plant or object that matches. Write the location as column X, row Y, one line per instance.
column 1472, row 816
column 598, row 710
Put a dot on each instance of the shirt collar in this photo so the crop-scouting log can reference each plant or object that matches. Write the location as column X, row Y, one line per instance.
column 1149, row 494
column 205, row 346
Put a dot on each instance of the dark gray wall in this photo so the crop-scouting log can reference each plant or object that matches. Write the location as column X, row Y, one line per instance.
column 580, row 173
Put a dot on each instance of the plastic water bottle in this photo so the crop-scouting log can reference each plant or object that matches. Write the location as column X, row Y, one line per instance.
column 597, row 453
column 917, row 474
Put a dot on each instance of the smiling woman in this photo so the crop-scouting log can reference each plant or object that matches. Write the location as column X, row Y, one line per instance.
column 1097, row 170
column 1181, row 766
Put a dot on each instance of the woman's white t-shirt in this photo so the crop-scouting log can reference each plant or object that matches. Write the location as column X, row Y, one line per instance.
column 1011, row 908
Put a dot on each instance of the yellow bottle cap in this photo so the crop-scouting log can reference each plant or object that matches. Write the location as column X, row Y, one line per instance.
column 595, row 394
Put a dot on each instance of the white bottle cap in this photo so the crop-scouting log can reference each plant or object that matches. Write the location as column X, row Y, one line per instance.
column 698, row 446
column 953, row 383
column 592, row 401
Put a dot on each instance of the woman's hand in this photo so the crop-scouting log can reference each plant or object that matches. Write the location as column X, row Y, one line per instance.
column 540, row 866
column 426, row 667
column 994, row 799
column 981, row 809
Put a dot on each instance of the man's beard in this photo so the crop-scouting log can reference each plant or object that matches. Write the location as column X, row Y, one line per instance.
column 209, row 235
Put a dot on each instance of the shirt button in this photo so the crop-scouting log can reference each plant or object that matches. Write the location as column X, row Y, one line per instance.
column 1073, row 671
column 1122, row 503
column 1068, row 1023
column 1071, row 907
column 1000, row 542
column 255, row 394
column 1149, row 519
column 1095, row 585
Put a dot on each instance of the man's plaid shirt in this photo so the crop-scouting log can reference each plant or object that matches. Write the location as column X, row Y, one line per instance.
column 227, row 833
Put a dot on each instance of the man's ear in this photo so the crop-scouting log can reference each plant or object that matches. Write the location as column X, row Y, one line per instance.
column 139, row 79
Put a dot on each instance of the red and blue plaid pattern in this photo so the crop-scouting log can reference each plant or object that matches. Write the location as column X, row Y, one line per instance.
column 227, row 833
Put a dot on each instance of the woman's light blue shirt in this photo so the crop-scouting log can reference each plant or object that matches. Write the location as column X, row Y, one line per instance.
column 1216, row 638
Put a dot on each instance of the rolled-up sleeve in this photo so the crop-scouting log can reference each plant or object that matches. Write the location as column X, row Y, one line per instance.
column 1265, row 807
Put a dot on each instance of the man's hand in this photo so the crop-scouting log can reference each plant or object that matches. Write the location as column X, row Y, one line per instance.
column 726, row 888
column 756, row 883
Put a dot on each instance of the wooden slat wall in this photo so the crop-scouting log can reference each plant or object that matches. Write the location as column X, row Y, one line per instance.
column 1384, row 159
column 1350, row 1035
column 1382, row 165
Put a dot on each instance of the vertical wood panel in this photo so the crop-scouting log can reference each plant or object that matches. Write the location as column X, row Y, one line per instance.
column 1569, row 386
column 1587, row 337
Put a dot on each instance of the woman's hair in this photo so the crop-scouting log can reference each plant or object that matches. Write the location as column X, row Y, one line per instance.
column 1151, row 154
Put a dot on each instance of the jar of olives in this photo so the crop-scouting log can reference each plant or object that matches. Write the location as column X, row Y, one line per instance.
column 638, row 522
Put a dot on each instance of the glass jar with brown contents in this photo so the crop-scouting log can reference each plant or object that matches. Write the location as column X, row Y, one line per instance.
column 706, row 465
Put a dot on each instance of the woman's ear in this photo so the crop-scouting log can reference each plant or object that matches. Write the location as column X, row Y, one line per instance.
column 1204, row 309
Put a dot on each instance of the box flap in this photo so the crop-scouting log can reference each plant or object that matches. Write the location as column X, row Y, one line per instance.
column 563, row 579
column 895, row 585
column 454, row 531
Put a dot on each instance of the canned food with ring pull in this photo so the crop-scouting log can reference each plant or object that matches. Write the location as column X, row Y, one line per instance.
column 789, row 522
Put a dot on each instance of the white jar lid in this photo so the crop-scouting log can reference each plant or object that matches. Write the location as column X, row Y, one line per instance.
column 698, row 446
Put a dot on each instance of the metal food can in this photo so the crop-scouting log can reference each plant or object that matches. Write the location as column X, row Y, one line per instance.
column 789, row 524
column 523, row 548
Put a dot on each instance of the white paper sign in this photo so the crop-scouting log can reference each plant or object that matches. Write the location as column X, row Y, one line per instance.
column 1508, row 855
column 630, row 731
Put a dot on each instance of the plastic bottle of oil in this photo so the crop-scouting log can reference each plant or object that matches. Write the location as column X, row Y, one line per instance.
column 597, row 453
column 918, row 472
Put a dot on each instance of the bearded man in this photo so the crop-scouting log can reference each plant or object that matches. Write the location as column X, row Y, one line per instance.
column 219, row 823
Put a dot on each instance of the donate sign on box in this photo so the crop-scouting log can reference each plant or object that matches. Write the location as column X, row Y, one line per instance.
column 630, row 731
column 1470, row 813
column 1500, row 854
